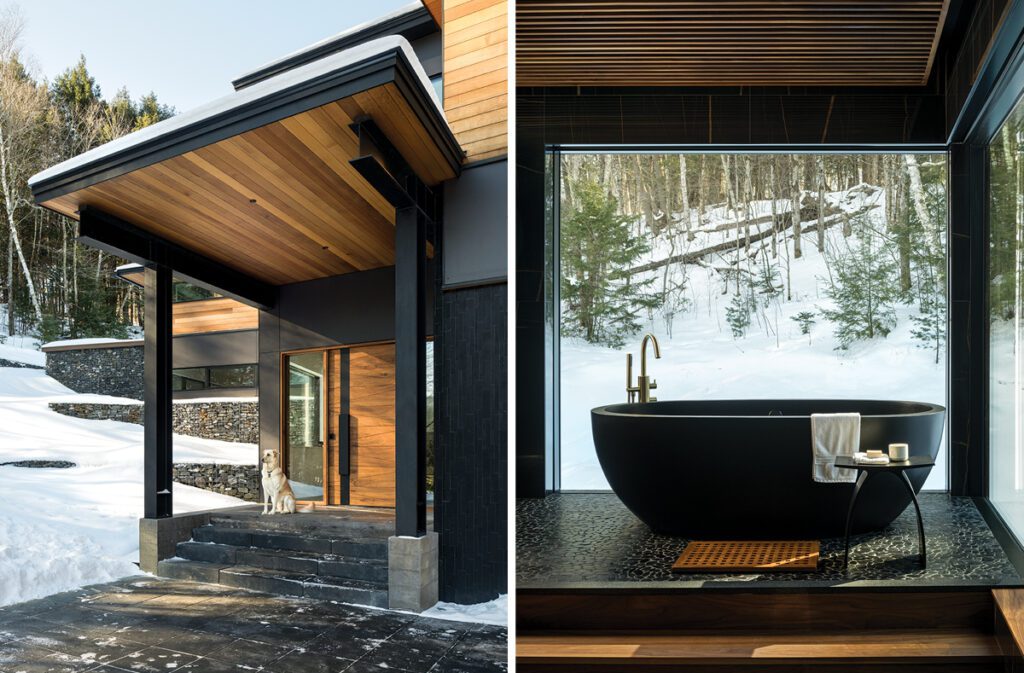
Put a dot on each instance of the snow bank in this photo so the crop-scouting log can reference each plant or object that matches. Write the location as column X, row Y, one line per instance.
column 60, row 529
column 491, row 612
column 87, row 342
column 28, row 356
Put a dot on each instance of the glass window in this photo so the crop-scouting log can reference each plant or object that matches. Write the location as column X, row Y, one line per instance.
column 234, row 376
column 187, row 292
column 305, row 423
column 1006, row 322
column 221, row 376
column 438, row 82
column 193, row 378
column 826, row 272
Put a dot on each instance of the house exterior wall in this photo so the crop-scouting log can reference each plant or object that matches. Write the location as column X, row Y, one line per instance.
column 353, row 308
column 476, row 75
column 471, row 365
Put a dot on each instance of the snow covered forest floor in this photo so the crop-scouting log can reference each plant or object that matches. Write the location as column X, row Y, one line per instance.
column 703, row 359
column 65, row 528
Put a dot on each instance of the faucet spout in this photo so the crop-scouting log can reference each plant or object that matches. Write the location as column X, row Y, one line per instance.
column 643, row 352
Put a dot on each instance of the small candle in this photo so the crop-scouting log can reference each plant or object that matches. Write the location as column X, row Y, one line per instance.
column 899, row 452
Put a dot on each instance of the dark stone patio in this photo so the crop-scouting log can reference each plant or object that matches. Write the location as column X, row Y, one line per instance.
column 149, row 625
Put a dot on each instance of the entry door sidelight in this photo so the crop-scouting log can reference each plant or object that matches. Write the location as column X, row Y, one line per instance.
column 304, row 451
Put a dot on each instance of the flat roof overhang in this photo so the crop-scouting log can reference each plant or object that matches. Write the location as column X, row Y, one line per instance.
column 260, row 180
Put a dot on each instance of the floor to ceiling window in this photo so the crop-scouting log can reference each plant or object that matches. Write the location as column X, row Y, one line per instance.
column 1006, row 323
column 762, row 276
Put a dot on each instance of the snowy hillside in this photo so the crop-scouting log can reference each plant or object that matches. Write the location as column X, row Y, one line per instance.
column 701, row 358
column 64, row 528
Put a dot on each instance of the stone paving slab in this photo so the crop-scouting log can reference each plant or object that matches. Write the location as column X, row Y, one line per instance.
column 150, row 625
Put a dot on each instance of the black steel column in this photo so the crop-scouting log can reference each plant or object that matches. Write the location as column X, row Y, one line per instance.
column 158, row 469
column 967, row 340
column 410, row 373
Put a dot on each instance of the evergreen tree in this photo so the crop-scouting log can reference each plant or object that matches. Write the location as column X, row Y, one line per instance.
column 601, row 302
column 865, row 288
column 805, row 319
column 738, row 312
column 151, row 111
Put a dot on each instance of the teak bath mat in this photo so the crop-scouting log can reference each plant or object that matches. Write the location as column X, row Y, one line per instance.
column 746, row 556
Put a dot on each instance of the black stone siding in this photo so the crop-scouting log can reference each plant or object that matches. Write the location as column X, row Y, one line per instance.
column 240, row 481
column 470, row 507
column 101, row 371
column 232, row 421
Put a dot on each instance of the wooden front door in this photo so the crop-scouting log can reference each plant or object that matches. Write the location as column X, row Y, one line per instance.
column 360, row 463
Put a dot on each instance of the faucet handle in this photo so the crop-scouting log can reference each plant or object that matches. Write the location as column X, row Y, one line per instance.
column 652, row 386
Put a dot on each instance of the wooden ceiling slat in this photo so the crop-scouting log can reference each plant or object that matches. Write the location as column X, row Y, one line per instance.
column 735, row 42
column 315, row 212
column 211, row 203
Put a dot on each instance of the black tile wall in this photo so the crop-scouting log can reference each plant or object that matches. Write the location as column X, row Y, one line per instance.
column 471, row 488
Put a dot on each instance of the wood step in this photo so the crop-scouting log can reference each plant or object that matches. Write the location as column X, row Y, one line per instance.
column 753, row 611
column 1010, row 621
column 619, row 651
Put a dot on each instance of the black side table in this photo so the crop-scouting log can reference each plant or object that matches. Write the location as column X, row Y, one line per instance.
column 897, row 469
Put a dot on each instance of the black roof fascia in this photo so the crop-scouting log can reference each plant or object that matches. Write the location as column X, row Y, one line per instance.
column 412, row 26
column 386, row 67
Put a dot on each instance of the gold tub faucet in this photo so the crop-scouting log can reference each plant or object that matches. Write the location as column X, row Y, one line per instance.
column 641, row 392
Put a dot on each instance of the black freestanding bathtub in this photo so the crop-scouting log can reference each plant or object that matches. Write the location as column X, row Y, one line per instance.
column 741, row 469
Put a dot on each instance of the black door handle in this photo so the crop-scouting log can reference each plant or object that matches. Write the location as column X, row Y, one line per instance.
column 343, row 444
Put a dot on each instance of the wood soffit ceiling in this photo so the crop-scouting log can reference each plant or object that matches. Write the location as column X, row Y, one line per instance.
column 280, row 202
column 726, row 42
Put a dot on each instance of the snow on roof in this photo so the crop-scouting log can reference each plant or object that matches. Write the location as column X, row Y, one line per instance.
column 248, row 96
column 401, row 11
column 88, row 342
column 130, row 266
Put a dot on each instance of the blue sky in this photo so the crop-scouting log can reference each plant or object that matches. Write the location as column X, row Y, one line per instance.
column 187, row 51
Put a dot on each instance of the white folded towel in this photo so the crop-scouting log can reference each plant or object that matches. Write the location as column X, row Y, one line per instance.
column 833, row 435
column 862, row 457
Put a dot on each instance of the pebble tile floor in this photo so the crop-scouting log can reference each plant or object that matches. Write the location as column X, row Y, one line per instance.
column 592, row 540
column 149, row 625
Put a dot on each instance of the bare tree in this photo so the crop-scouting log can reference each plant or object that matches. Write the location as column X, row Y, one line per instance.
column 22, row 109
column 794, row 183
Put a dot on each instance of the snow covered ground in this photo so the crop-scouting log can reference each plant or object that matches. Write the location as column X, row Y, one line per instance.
column 64, row 528
column 700, row 359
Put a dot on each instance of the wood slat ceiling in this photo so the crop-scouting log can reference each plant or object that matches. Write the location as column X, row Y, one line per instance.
column 726, row 42
column 279, row 202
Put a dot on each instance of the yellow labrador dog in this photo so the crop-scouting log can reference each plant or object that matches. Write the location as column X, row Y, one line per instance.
column 276, row 489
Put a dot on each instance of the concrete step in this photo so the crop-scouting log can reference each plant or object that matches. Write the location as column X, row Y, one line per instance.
column 278, row 582
column 363, row 548
column 328, row 565
column 358, row 523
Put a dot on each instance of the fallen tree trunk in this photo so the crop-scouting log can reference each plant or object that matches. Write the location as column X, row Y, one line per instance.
column 696, row 255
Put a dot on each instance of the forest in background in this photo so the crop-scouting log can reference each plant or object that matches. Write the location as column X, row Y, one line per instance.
column 633, row 224
column 51, row 286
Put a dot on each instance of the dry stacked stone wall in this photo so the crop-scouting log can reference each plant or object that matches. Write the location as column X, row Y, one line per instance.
column 115, row 371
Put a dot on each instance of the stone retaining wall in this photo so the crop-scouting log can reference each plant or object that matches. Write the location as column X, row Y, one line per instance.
column 232, row 421
column 19, row 365
column 115, row 370
column 240, row 481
